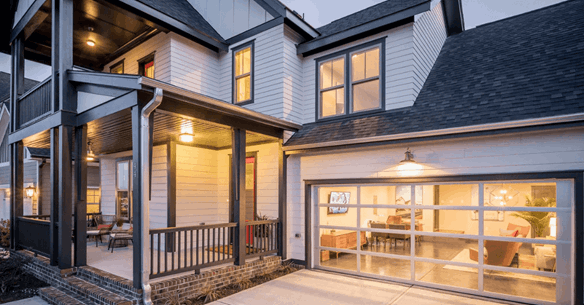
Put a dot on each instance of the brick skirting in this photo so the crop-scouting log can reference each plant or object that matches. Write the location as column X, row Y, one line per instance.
column 189, row 286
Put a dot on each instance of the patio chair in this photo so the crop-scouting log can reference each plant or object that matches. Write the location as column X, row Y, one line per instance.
column 101, row 231
column 120, row 236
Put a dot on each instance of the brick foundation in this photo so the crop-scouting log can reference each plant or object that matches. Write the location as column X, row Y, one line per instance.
column 189, row 286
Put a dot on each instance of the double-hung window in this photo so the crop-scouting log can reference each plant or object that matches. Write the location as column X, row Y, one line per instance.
column 243, row 74
column 350, row 81
column 146, row 66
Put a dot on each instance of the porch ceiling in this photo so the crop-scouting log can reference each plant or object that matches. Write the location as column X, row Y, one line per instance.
column 113, row 133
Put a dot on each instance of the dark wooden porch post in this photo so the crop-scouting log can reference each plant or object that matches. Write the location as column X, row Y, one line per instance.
column 238, row 193
column 16, row 149
column 16, row 190
column 65, row 195
column 282, row 205
column 54, row 187
column 137, row 197
column 80, row 257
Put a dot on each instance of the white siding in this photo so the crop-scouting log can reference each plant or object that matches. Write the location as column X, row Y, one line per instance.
column 158, row 204
column 292, row 81
column 107, row 168
column 268, row 72
column 193, row 66
column 231, row 17
column 196, row 186
column 159, row 44
column 429, row 37
column 557, row 150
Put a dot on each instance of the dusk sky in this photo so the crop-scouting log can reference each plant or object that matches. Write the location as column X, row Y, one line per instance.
column 476, row 12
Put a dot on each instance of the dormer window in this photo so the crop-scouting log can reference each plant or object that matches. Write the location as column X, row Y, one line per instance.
column 243, row 74
column 350, row 81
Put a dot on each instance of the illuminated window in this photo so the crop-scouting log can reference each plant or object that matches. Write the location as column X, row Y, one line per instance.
column 350, row 81
column 117, row 68
column 93, row 197
column 146, row 66
column 243, row 74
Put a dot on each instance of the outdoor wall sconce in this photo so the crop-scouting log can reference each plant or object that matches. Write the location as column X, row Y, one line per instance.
column 29, row 191
column 409, row 166
column 90, row 154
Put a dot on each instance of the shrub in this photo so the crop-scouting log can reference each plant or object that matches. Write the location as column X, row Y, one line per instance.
column 4, row 233
column 208, row 294
column 11, row 272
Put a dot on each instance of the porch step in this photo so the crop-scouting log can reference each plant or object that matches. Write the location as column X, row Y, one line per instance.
column 55, row 296
column 94, row 293
column 111, row 282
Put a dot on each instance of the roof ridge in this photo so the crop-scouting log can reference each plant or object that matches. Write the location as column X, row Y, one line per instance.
column 525, row 13
column 354, row 13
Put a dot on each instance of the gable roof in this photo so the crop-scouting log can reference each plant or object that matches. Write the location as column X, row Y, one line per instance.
column 367, row 15
column 524, row 67
column 5, row 85
column 184, row 12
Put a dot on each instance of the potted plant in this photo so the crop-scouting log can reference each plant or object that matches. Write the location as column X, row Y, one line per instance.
column 539, row 221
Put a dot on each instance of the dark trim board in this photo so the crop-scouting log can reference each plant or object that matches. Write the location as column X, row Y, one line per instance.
column 23, row 22
column 576, row 176
column 250, row 44
column 256, row 30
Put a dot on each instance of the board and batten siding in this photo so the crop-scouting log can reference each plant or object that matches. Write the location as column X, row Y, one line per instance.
column 160, row 44
column 193, row 67
column 231, row 17
column 543, row 151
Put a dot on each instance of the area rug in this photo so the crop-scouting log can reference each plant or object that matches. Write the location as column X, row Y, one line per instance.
column 525, row 262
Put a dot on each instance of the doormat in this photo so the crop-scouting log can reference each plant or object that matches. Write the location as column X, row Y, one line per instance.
column 525, row 262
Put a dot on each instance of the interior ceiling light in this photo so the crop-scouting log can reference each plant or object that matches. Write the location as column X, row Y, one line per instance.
column 186, row 137
column 90, row 43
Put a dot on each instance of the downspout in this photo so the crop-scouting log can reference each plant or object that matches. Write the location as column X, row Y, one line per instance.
column 145, row 198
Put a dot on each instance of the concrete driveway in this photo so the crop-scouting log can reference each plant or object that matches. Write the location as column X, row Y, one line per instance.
column 323, row 288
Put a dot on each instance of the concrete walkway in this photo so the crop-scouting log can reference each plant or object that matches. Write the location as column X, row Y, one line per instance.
column 323, row 288
column 30, row 301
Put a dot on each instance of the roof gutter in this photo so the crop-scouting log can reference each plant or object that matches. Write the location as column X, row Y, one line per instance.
column 441, row 132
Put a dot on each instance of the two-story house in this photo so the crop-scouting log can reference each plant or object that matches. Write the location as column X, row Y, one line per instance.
column 230, row 135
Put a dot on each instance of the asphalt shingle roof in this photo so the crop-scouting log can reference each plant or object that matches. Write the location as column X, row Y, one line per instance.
column 369, row 14
column 524, row 67
column 184, row 12
column 5, row 85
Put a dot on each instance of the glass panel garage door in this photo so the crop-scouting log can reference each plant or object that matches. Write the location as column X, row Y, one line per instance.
column 504, row 239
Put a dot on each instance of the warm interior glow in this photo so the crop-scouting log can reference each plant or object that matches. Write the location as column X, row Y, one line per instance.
column 553, row 226
column 186, row 137
column 90, row 43
column 29, row 191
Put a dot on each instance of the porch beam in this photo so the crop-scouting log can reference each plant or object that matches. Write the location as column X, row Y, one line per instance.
column 80, row 258
column 282, row 203
column 112, row 106
column 238, row 193
column 54, row 189
column 51, row 121
column 137, row 197
column 65, row 195
column 28, row 16
column 16, row 191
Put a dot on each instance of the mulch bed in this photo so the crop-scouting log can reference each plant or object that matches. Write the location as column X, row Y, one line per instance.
column 235, row 288
column 15, row 284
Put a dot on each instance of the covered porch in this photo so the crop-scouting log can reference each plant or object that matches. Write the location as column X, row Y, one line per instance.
column 200, row 182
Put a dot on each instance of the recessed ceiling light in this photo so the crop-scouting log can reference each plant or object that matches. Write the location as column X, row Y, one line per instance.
column 90, row 43
column 186, row 137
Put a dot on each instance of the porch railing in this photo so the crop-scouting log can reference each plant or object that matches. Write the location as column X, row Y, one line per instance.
column 180, row 249
column 34, row 235
column 35, row 103
column 262, row 237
